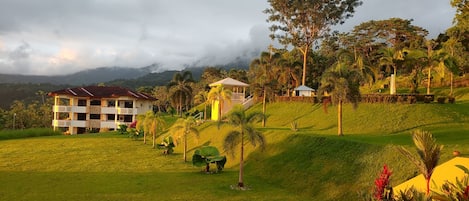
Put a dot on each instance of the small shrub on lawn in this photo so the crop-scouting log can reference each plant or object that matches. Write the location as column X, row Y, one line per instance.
column 441, row 100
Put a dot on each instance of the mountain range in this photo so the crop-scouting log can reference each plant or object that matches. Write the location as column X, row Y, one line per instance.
column 26, row 87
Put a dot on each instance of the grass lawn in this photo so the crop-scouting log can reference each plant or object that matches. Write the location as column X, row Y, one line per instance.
column 113, row 167
column 309, row 164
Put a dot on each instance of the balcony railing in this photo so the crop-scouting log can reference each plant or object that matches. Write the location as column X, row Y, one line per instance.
column 75, row 109
column 94, row 110
column 67, row 123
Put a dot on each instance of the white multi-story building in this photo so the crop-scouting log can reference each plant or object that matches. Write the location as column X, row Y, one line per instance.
column 96, row 108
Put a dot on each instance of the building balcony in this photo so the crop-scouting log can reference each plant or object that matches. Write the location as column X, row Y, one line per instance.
column 68, row 123
column 119, row 110
column 74, row 109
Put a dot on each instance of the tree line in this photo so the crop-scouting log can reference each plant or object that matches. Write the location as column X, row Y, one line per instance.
column 381, row 51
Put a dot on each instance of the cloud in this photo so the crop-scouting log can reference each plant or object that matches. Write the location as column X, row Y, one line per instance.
column 61, row 37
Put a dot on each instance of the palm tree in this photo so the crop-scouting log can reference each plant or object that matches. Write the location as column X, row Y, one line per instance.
column 244, row 130
column 202, row 97
column 357, row 62
column 154, row 125
column 181, row 93
column 433, row 58
column 451, row 46
column 288, row 72
column 182, row 128
column 263, row 77
column 344, row 86
column 415, row 60
column 140, row 127
column 220, row 94
column 390, row 58
column 428, row 151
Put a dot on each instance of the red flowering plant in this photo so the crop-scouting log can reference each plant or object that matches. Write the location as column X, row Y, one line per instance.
column 382, row 189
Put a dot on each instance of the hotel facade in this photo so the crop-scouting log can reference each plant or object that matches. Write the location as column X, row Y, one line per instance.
column 97, row 108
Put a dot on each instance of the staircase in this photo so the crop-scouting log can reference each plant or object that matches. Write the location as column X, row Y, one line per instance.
column 248, row 102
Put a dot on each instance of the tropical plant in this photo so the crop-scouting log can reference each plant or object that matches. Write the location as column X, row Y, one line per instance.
column 391, row 58
column 206, row 155
column 457, row 191
column 263, row 76
column 429, row 154
column 451, row 45
column 181, row 91
column 122, row 129
column 358, row 62
column 168, row 145
column 153, row 125
column 140, row 127
column 383, row 191
column 289, row 71
column 243, row 131
column 219, row 94
column 344, row 86
column 182, row 128
column 301, row 23
column 202, row 97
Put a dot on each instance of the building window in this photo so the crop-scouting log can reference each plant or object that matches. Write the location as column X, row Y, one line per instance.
column 82, row 102
column 111, row 117
column 95, row 102
column 95, row 116
column 127, row 118
column 128, row 104
column 81, row 116
column 111, row 103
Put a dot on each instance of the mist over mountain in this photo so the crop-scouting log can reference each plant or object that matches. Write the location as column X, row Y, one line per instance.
column 125, row 76
column 97, row 75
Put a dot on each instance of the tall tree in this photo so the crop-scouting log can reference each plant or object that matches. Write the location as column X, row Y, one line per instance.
column 429, row 154
column 289, row 71
column 153, row 125
column 141, row 127
column 161, row 93
column 393, row 32
column 453, row 47
column 391, row 57
column 301, row 23
column 182, row 128
column 181, row 90
column 202, row 97
column 263, row 76
column 343, row 84
column 433, row 58
column 219, row 94
column 460, row 33
column 244, row 131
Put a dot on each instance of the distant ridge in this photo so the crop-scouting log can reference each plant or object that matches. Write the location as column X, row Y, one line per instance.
column 86, row 77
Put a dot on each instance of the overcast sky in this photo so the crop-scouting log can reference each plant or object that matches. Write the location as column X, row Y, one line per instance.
column 49, row 37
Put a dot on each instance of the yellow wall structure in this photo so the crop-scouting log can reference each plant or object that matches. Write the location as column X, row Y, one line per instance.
column 215, row 107
column 444, row 172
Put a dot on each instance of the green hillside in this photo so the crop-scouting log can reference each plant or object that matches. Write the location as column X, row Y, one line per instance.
column 309, row 164
column 315, row 163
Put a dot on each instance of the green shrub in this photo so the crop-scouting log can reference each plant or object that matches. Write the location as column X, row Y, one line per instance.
column 441, row 99
column 26, row 133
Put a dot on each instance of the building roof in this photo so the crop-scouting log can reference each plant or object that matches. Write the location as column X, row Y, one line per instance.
column 229, row 82
column 102, row 92
column 303, row 88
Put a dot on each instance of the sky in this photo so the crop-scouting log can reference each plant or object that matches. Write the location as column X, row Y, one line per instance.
column 53, row 37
